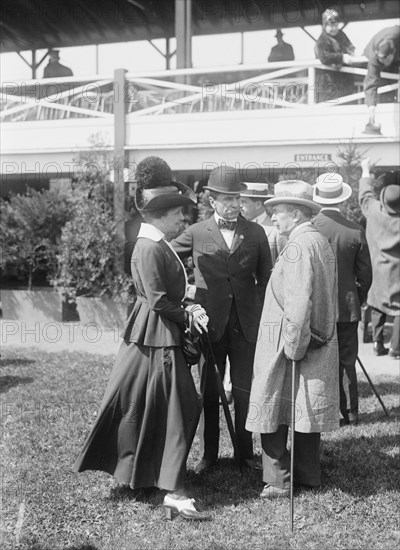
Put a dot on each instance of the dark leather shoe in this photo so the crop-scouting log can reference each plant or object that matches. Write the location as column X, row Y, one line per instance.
column 379, row 349
column 205, row 465
column 394, row 354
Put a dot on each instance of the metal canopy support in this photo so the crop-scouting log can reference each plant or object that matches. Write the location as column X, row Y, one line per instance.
column 120, row 103
column 33, row 65
column 309, row 34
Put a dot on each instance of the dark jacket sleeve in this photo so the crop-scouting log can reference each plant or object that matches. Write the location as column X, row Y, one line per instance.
column 372, row 81
column 184, row 243
column 151, row 269
column 363, row 269
column 264, row 267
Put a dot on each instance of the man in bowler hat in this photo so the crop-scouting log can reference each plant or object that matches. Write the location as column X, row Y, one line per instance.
column 282, row 51
column 232, row 264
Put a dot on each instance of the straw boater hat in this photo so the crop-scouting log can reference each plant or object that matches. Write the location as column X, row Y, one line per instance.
column 331, row 189
column 257, row 191
column 225, row 179
column 156, row 188
column 294, row 192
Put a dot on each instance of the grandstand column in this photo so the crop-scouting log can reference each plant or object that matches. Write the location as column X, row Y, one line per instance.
column 311, row 85
column 183, row 32
column 120, row 105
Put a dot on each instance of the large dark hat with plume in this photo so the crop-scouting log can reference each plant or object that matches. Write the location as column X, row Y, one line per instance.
column 156, row 188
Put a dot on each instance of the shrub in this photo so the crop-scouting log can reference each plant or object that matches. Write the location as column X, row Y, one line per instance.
column 90, row 254
column 90, row 259
column 30, row 231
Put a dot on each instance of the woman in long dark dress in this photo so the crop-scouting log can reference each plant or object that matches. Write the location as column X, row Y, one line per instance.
column 150, row 409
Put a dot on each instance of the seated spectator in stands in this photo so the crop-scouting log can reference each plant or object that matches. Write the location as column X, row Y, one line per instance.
column 282, row 51
column 54, row 68
column 334, row 49
column 382, row 52
column 383, row 222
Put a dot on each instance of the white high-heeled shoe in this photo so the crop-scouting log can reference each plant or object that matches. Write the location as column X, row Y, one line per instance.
column 184, row 508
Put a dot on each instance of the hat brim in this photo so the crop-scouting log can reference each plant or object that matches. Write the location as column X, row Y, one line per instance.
column 224, row 191
column 166, row 202
column 313, row 206
column 346, row 193
column 257, row 197
column 165, row 198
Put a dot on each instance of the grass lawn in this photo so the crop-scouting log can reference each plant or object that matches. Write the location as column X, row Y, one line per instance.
column 48, row 402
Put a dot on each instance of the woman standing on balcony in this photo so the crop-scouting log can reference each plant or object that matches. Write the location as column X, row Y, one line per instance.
column 150, row 409
column 334, row 49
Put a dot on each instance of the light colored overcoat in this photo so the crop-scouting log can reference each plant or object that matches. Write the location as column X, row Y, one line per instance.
column 299, row 313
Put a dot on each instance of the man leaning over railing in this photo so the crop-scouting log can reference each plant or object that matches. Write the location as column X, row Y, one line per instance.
column 381, row 51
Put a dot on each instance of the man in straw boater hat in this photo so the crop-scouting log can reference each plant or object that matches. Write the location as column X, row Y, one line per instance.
column 254, row 202
column 354, row 279
column 232, row 265
column 298, row 323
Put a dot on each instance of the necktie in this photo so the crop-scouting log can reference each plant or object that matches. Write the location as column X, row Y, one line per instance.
column 224, row 224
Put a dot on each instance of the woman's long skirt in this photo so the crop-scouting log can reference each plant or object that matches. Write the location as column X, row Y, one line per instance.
column 147, row 419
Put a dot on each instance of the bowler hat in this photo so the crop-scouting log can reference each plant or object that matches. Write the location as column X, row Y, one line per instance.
column 225, row 179
column 156, row 189
column 331, row 189
column 390, row 197
column 294, row 192
column 257, row 191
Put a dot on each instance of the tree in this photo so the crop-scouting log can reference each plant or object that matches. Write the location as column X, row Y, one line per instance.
column 349, row 168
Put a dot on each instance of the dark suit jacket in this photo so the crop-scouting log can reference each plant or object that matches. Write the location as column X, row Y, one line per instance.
column 383, row 230
column 373, row 80
column 161, row 286
column 353, row 262
column 223, row 275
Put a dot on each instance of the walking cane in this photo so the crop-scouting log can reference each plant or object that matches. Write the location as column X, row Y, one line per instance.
column 225, row 406
column 292, row 427
column 373, row 387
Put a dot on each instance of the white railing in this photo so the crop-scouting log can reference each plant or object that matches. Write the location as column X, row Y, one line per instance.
column 290, row 85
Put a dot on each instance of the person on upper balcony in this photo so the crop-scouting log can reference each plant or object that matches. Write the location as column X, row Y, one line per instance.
column 281, row 51
column 382, row 52
column 54, row 69
column 334, row 49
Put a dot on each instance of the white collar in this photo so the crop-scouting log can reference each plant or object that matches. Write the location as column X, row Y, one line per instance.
column 150, row 231
column 335, row 208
